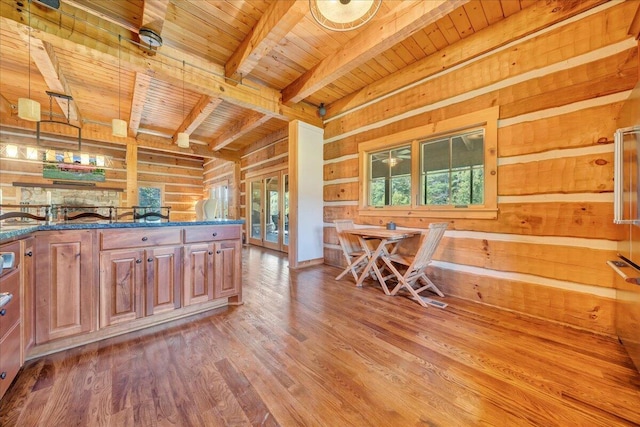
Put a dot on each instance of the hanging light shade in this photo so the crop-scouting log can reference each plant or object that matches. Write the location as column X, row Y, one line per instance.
column 183, row 140
column 119, row 128
column 343, row 15
column 28, row 109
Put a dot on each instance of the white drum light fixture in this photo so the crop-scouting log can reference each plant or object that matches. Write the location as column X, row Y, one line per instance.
column 343, row 15
column 183, row 140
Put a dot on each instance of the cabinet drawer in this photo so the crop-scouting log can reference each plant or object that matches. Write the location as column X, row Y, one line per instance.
column 13, row 247
column 9, row 358
column 129, row 238
column 210, row 233
column 10, row 313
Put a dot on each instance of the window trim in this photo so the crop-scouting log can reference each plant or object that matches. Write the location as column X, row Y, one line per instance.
column 487, row 119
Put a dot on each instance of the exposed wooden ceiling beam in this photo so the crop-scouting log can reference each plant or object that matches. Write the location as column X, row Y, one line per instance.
column 44, row 57
column 95, row 8
column 100, row 133
column 153, row 14
column 203, row 109
column 273, row 26
column 200, row 76
column 372, row 41
column 247, row 124
column 140, row 90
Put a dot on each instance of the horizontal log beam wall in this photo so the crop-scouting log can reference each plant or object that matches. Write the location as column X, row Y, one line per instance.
column 180, row 176
column 560, row 90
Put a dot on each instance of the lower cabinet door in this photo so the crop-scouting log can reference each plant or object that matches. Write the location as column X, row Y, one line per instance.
column 121, row 280
column 162, row 279
column 65, row 278
column 227, row 268
column 198, row 273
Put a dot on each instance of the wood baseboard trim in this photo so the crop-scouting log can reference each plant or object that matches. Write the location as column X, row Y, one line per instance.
column 116, row 330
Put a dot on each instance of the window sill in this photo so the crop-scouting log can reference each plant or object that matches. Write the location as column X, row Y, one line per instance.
column 449, row 213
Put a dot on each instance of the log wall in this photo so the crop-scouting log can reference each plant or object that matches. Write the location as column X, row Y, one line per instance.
column 559, row 90
column 180, row 177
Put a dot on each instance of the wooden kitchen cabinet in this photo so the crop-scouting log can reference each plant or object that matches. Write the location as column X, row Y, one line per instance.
column 227, row 269
column 198, row 273
column 65, row 281
column 212, row 264
column 10, row 338
column 82, row 285
column 141, row 278
column 163, row 279
column 28, row 294
column 121, row 276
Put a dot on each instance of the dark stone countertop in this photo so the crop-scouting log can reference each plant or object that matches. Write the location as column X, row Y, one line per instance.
column 14, row 230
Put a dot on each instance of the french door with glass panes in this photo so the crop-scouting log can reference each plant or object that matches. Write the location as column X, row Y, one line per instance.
column 268, row 211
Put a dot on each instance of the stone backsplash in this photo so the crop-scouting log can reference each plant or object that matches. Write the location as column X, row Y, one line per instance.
column 69, row 197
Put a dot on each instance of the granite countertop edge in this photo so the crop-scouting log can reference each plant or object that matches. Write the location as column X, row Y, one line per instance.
column 17, row 230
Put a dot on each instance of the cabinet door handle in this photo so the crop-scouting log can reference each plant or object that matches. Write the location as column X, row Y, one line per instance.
column 30, row 253
column 145, row 238
column 3, row 375
column 3, row 312
column 138, row 261
column 218, row 251
column 210, row 252
column 149, row 259
column 215, row 234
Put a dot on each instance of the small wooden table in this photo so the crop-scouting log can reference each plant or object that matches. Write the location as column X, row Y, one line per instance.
column 385, row 237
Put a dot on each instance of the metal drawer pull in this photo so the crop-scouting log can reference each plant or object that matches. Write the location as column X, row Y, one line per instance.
column 144, row 239
column 5, row 297
column 215, row 234
column 3, row 375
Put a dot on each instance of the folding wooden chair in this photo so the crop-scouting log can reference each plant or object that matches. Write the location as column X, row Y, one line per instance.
column 355, row 255
column 413, row 255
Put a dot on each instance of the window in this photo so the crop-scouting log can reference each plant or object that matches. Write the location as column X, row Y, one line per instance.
column 452, row 171
column 446, row 169
column 150, row 196
column 220, row 194
column 390, row 180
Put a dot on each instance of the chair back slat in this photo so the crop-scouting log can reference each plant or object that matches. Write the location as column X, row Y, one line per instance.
column 430, row 241
column 349, row 243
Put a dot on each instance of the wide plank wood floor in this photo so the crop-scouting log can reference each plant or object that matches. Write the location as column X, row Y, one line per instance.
column 306, row 350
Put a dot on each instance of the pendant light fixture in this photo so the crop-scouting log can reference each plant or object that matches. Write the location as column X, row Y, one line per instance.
column 119, row 126
column 183, row 137
column 28, row 109
column 343, row 15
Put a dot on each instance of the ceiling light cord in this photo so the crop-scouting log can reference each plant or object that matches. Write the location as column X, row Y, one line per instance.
column 29, row 59
column 119, row 72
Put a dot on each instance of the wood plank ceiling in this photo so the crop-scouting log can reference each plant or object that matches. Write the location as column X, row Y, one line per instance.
column 229, row 72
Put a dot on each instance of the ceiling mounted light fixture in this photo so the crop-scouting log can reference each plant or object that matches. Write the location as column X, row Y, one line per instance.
column 28, row 109
column 150, row 37
column 343, row 15
column 322, row 110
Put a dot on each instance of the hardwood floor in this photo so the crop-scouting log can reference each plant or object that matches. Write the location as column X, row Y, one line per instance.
column 305, row 349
